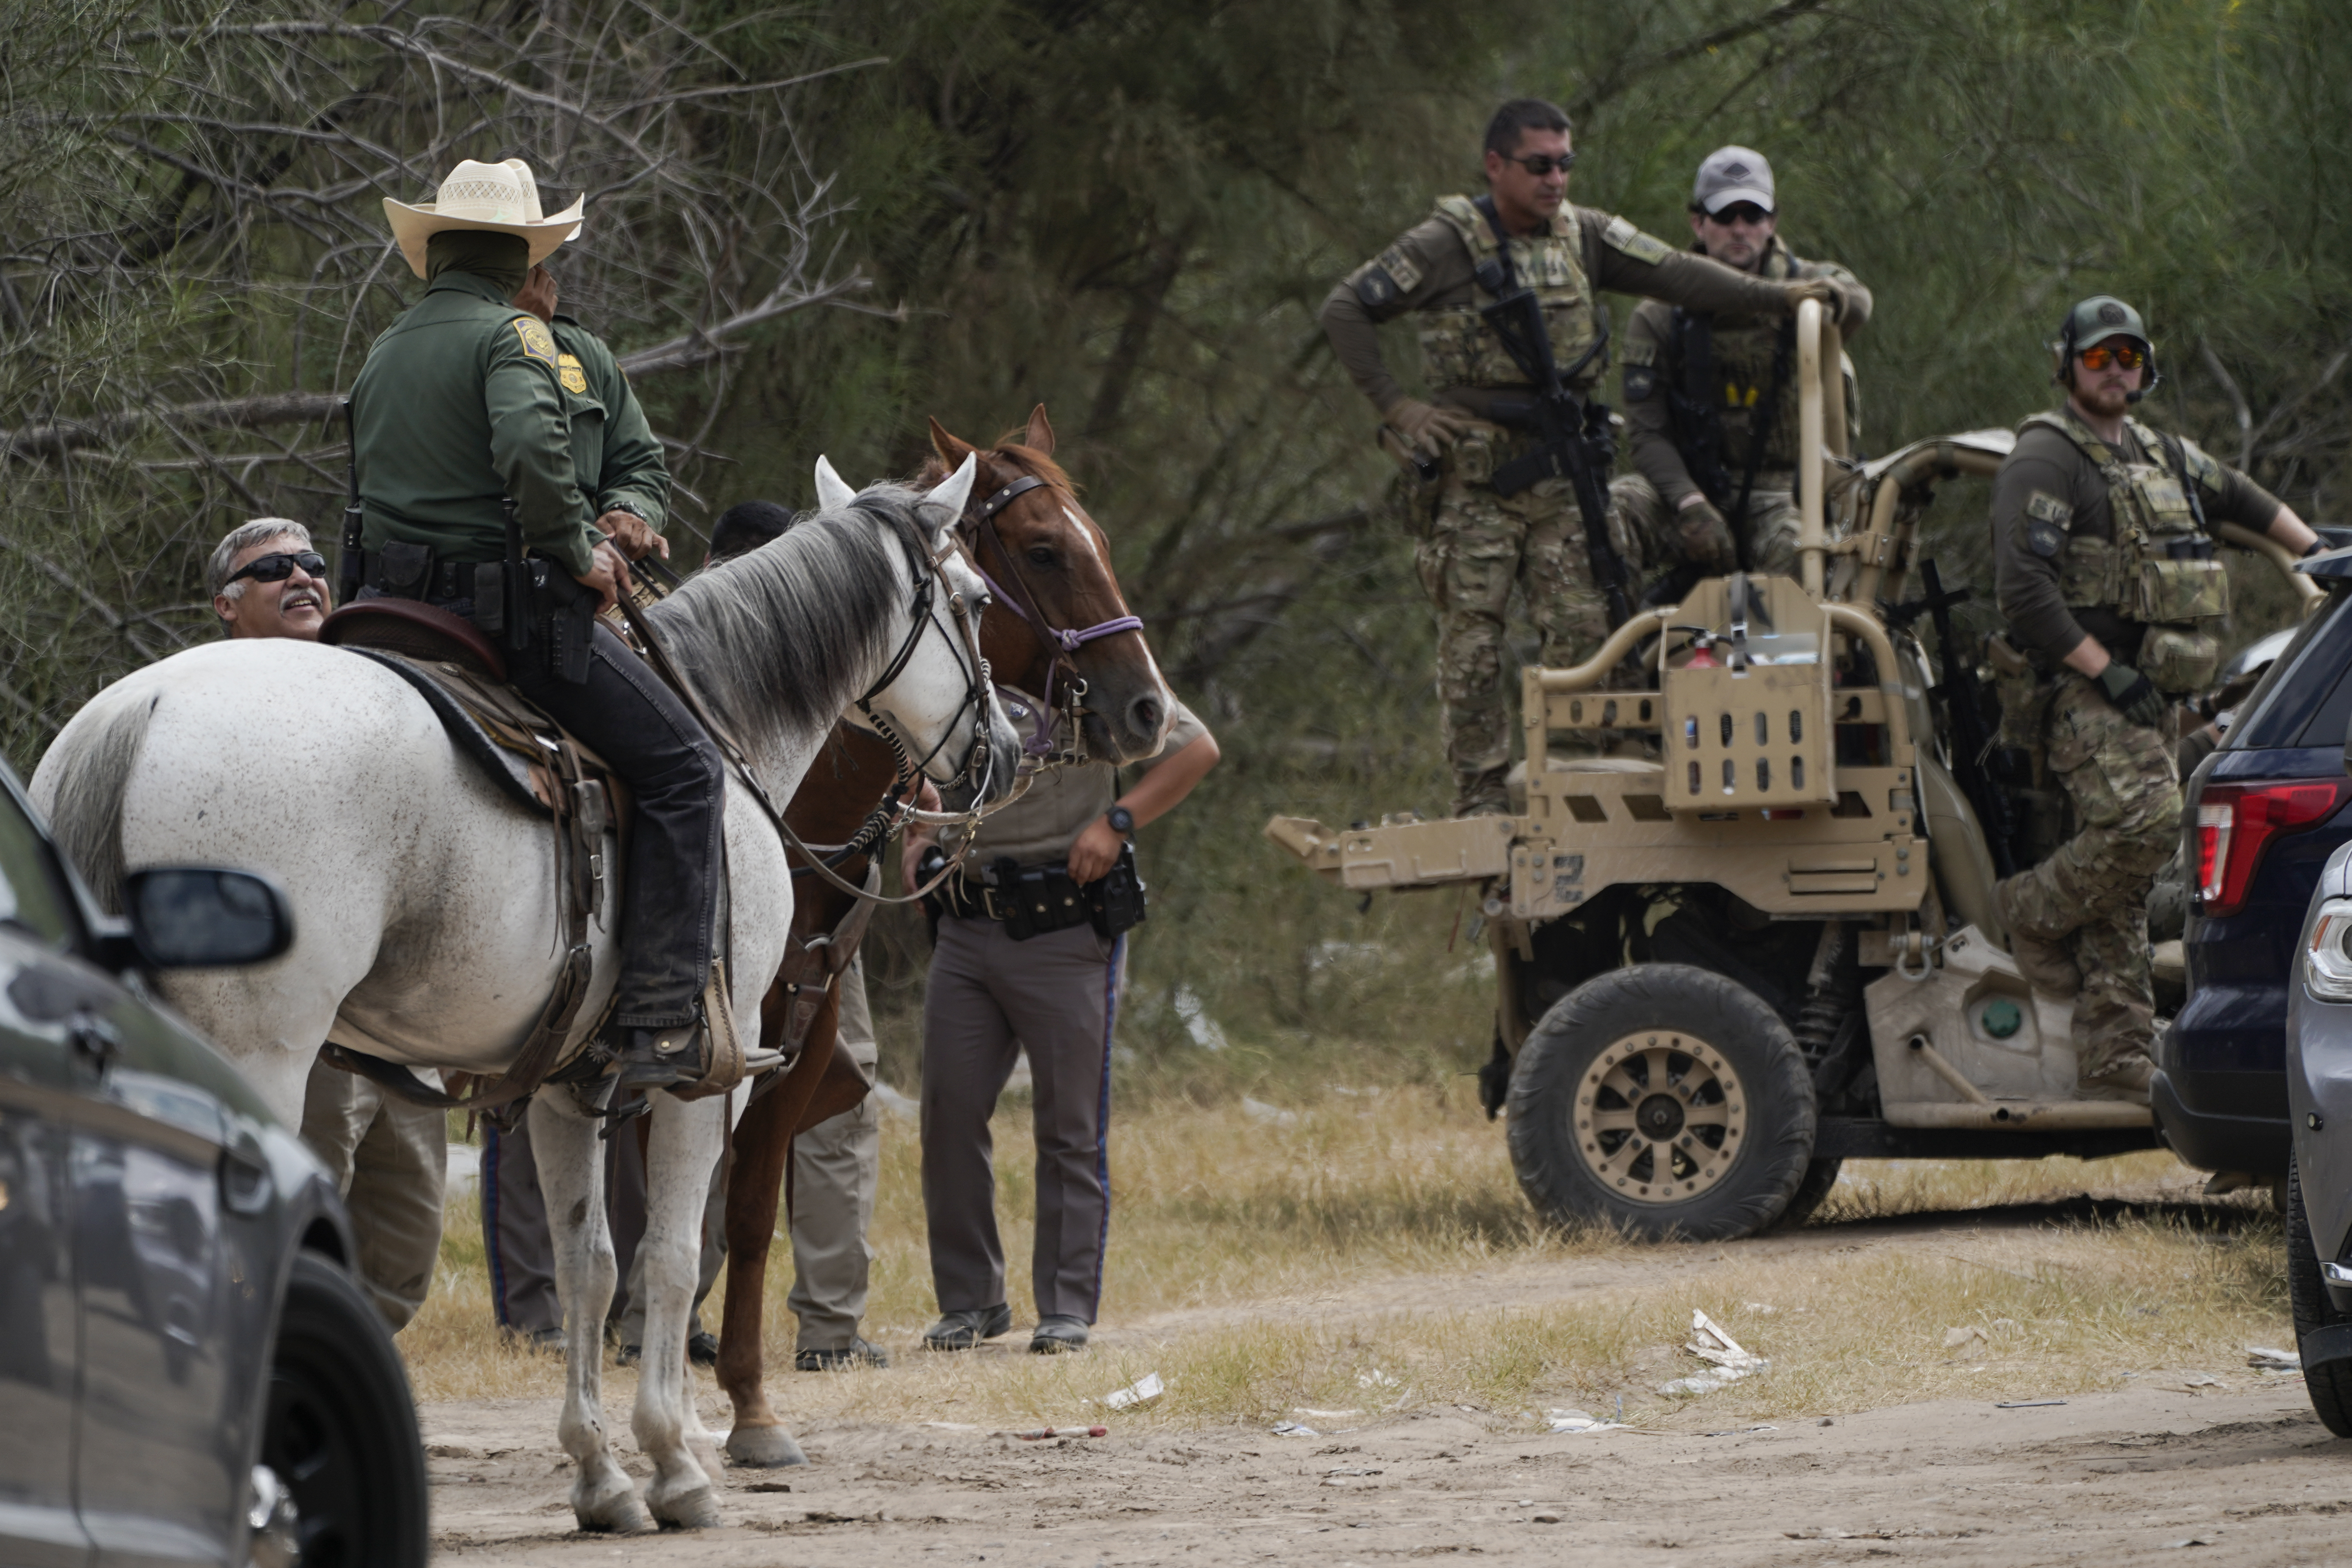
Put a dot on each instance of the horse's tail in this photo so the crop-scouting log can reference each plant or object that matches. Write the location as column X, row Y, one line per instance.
column 87, row 772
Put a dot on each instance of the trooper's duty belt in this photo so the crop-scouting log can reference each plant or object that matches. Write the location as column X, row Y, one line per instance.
column 1034, row 900
column 561, row 611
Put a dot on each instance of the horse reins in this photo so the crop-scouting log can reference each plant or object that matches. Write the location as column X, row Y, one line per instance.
column 1060, row 643
column 975, row 702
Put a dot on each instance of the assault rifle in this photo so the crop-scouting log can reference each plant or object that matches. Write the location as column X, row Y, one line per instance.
column 1962, row 695
column 1577, row 444
column 1695, row 410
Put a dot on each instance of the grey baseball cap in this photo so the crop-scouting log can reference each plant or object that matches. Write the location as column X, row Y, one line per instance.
column 1733, row 175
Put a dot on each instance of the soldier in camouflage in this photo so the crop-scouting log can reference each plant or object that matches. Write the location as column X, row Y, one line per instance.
column 2106, row 575
column 1710, row 399
column 1476, row 544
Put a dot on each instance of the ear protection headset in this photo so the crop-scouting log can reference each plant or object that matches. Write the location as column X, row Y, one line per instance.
column 2065, row 347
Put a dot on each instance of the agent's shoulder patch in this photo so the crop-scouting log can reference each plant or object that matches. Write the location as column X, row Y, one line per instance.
column 538, row 342
column 1388, row 278
column 2046, row 519
column 568, row 371
column 1620, row 235
column 1641, row 382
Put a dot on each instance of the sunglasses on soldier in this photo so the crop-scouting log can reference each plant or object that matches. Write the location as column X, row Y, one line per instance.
column 2130, row 356
column 1740, row 212
column 1541, row 163
column 278, row 566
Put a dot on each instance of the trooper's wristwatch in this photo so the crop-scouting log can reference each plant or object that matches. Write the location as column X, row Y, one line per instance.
column 1121, row 820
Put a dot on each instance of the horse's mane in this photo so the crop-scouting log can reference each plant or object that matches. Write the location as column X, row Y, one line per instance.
column 778, row 642
column 936, row 468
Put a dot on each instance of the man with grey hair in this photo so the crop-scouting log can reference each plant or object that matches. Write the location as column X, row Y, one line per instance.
column 266, row 582
column 390, row 1157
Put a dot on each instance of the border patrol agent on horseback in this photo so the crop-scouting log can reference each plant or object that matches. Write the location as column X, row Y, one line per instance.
column 459, row 415
column 2106, row 575
column 1710, row 399
column 1480, row 538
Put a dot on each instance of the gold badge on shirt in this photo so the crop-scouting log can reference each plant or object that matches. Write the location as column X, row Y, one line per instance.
column 568, row 371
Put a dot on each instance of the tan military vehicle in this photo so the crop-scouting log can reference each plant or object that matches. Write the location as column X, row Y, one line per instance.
column 1743, row 926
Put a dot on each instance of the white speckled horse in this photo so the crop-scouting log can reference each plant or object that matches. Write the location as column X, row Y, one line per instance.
column 425, row 901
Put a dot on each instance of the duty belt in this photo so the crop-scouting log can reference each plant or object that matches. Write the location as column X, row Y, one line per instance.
column 407, row 571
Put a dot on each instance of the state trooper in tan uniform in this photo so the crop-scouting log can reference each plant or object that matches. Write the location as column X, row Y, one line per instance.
column 1710, row 399
column 2106, row 575
column 1479, row 545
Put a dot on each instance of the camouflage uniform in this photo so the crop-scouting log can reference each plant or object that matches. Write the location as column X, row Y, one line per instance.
column 1479, row 545
column 2090, row 540
column 1743, row 350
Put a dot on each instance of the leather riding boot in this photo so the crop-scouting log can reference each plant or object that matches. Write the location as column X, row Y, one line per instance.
column 658, row 1059
column 2047, row 963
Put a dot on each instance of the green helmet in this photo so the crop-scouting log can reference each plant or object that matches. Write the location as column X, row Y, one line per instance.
column 2095, row 321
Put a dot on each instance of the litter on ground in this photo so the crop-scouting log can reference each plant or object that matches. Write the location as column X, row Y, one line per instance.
column 2261, row 1358
column 1294, row 1429
column 1146, row 1387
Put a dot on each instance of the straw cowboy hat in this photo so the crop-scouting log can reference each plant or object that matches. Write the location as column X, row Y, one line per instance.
column 502, row 199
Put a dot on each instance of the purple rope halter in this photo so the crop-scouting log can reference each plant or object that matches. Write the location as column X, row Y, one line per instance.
column 1064, row 642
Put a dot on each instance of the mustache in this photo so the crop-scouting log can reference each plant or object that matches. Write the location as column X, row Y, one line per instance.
column 295, row 599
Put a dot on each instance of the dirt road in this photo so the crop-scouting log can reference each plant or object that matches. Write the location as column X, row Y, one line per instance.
column 2244, row 1476
column 2233, row 1468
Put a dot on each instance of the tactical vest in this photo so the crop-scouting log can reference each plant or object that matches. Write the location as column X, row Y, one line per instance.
column 1459, row 349
column 2160, row 568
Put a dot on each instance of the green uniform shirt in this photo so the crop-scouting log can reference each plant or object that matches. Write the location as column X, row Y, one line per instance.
column 458, row 407
column 1743, row 346
column 616, row 456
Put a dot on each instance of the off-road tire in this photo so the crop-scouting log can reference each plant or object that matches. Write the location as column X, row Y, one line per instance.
column 2330, row 1383
column 1732, row 1037
column 341, row 1431
column 1821, row 1175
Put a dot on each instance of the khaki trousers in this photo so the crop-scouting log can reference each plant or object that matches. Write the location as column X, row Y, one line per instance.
column 990, row 998
column 835, row 1165
column 391, row 1158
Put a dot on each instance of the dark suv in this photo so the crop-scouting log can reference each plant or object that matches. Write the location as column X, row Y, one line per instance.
column 2263, row 815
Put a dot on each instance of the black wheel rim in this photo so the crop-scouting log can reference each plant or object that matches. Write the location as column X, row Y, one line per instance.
column 313, row 1445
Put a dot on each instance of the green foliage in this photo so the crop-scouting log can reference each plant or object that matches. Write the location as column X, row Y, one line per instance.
column 1131, row 211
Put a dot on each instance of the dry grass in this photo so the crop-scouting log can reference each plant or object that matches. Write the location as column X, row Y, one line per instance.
column 1375, row 1254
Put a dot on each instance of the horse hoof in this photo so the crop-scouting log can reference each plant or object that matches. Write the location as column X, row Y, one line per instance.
column 696, row 1510
column 764, row 1448
column 615, row 1513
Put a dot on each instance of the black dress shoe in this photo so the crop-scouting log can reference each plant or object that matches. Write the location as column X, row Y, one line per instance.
column 702, row 1348
column 859, row 1352
column 964, row 1329
column 1057, row 1334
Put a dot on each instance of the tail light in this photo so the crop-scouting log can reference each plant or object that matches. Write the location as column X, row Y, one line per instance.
column 2236, row 822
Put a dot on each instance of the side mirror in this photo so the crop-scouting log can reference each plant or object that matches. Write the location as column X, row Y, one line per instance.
column 191, row 917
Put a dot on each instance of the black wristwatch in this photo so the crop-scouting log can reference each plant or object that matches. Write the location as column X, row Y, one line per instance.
column 1121, row 820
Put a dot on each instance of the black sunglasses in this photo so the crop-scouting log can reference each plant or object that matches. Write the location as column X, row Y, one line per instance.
column 277, row 567
column 1740, row 212
column 1541, row 163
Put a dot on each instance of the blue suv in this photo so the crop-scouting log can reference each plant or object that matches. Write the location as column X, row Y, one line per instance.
column 2263, row 815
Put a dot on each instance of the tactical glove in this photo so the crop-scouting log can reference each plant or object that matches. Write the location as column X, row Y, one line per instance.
column 1799, row 289
column 1425, row 425
column 2134, row 698
column 1703, row 537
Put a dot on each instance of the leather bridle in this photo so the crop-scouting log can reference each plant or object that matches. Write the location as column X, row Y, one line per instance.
column 1060, row 643
column 979, row 762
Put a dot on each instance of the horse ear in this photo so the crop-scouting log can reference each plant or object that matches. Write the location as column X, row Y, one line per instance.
column 950, row 449
column 1041, row 431
column 954, row 492
column 833, row 491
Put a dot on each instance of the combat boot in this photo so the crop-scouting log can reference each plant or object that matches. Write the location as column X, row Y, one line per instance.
column 2046, row 961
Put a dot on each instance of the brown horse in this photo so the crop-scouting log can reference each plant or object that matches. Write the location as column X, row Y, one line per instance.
column 1059, row 631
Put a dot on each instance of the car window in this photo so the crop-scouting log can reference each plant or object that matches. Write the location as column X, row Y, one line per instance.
column 32, row 895
column 2285, row 704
